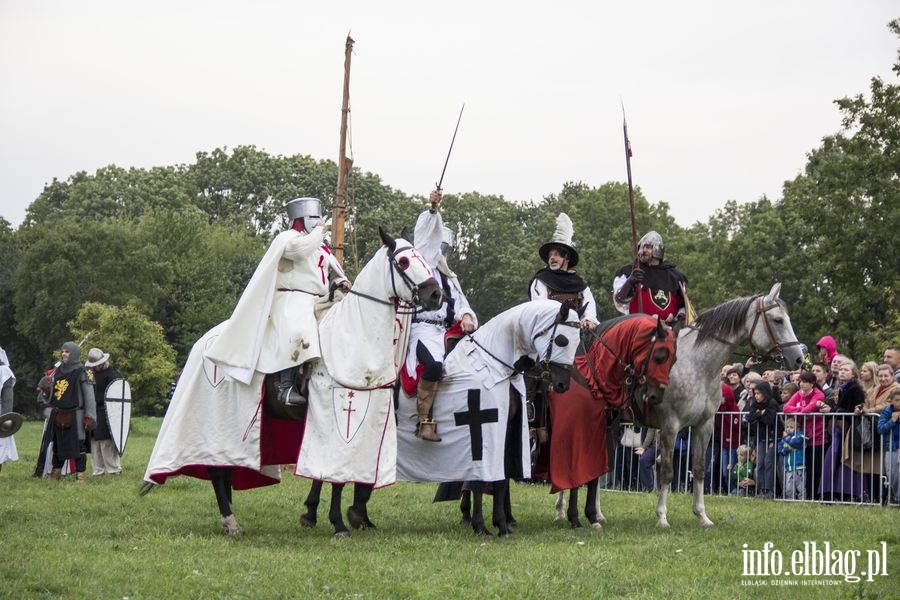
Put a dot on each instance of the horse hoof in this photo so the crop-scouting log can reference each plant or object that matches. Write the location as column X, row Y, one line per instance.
column 341, row 535
column 512, row 524
column 482, row 532
column 575, row 524
column 231, row 527
column 662, row 524
column 307, row 521
column 597, row 525
column 358, row 520
column 466, row 519
column 707, row 524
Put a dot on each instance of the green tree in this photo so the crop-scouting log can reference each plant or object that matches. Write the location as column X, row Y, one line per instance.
column 137, row 348
column 844, row 212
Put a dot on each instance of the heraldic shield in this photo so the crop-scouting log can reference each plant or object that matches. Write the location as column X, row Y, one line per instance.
column 118, row 412
column 350, row 408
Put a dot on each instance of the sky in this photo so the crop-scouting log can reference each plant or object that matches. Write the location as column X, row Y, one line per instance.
column 724, row 100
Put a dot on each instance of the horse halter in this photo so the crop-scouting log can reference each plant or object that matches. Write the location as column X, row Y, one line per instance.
column 633, row 377
column 399, row 268
column 763, row 309
column 544, row 372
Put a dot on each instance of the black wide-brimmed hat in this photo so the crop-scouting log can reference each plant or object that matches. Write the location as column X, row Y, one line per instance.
column 562, row 237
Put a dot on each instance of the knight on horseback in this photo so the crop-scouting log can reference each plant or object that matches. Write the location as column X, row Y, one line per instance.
column 273, row 327
column 654, row 287
column 433, row 331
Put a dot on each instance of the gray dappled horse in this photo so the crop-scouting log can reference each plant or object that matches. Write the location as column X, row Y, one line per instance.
column 695, row 389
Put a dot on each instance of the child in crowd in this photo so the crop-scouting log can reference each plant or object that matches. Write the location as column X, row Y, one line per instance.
column 791, row 448
column 889, row 428
column 742, row 473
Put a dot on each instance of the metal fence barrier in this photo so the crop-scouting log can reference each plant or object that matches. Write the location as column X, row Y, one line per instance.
column 833, row 457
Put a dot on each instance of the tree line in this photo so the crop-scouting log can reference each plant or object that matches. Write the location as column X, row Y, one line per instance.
column 141, row 262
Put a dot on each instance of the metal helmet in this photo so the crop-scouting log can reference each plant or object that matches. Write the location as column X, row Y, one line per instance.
column 656, row 241
column 448, row 240
column 308, row 209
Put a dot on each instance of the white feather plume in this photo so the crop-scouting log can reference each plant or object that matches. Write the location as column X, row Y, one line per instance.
column 564, row 230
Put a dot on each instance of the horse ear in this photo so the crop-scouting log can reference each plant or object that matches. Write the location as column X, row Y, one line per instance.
column 773, row 293
column 404, row 233
column 660, row 329
column 390, row 242
column 564, row 308
column 581, row 311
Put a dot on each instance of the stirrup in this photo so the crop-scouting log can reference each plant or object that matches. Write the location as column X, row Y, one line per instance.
column 433, row 424
column 291, row 397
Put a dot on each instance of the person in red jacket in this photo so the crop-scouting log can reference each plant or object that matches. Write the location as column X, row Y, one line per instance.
column 726, row 438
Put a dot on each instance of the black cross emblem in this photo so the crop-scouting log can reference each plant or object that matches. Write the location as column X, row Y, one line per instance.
column 475, row 418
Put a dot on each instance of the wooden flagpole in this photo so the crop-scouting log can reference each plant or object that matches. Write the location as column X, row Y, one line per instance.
column 344, row 164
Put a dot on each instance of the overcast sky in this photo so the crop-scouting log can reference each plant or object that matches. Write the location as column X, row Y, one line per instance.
column 723, row 99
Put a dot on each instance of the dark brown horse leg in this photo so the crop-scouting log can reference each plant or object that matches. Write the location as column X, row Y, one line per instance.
column 590, row 504
column 507, row 507
column 499, row 516
column 334, row 513
column 572, row 511
column 465, row 506
column 478, row 525
column 220, row 477
column 358, row 513
column 309, row 518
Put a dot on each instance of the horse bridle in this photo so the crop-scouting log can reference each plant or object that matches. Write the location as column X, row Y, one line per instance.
column 762, row 309
column 633, row 378
column 406, row 279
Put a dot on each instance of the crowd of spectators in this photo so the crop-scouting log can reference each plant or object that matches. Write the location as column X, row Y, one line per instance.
column 829, row 431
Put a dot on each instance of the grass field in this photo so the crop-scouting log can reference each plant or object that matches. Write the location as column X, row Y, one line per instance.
column 101, row 540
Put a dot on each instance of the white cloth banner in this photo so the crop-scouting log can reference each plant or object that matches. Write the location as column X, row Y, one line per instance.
column 471, row 410
column 213, row 420
column 350, row 434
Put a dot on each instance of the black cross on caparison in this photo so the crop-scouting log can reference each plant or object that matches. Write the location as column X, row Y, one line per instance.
column 475, row 418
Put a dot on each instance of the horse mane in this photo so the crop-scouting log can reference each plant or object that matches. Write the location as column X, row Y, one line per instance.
column 724, row 320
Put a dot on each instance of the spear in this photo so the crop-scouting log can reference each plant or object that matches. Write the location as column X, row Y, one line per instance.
column 631, row 204
column 447, row 160
column 345, row 163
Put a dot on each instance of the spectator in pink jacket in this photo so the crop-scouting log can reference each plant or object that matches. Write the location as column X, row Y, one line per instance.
column 807, row 402
column 827, row 348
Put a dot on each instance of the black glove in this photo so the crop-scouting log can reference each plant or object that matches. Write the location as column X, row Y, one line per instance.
column 524, row 364
column 637, row 276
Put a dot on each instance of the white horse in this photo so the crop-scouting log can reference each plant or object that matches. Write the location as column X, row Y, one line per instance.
column 220, row 429
column 482, row 423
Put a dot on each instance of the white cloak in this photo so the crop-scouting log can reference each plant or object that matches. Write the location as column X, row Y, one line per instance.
column 271, row 330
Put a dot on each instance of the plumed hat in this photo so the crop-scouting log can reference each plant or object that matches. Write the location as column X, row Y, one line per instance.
column 561, row 237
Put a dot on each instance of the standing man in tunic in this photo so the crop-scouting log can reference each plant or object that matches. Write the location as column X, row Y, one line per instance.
column 431, row 331
column 74, row 411
column 104, row 455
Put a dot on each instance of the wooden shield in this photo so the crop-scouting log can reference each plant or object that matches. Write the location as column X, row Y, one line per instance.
column 118, row 412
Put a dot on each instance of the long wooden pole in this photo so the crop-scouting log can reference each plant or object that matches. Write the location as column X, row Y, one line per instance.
column 344, row 164
column 634, row 239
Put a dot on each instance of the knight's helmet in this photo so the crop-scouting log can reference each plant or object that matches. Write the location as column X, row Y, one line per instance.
column 655, row 240
column 562, row 236
column 448, row 241
column 308, row 209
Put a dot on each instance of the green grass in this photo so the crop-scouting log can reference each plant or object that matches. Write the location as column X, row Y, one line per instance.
column 101, row 540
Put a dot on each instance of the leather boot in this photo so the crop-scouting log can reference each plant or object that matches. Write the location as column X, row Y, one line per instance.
column 79, row 477
column 56, row 474
column 287, row 394
column 425, row 393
